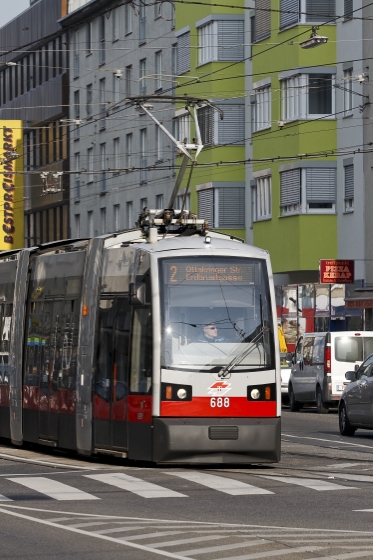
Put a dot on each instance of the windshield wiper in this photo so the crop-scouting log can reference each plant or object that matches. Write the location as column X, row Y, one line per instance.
column 225, row 371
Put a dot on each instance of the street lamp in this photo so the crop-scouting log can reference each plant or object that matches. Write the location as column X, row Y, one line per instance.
column 314, row 41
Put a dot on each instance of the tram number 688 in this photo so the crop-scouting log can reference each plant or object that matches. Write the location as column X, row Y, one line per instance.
column 219, row 402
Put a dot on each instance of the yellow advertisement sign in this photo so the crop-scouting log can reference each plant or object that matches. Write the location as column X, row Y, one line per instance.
column 11, row 176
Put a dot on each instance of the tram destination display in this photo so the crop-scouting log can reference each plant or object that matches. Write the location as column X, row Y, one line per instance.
column 198, row 271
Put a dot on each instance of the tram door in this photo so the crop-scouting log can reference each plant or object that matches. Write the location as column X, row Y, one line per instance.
column 51, row 366
column 111, row 374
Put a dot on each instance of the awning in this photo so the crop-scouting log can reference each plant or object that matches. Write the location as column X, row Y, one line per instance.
column 361, row 299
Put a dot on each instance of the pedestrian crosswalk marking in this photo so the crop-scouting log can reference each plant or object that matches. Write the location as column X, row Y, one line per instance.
column 221, row 484
column 187, row 541
column 270, row 554
column 313, row 483
column 221, row 548
column 135, row 485
column 52, row 488
column 353, row 477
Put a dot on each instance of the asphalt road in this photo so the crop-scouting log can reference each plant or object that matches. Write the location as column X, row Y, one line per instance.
column 314, row 504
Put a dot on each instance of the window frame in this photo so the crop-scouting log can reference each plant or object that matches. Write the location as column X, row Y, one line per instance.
column 262, row 199
column 302, row 100
column 264, row 107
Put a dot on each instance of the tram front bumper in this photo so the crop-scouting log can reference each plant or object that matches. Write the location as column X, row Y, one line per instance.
column 216, row 440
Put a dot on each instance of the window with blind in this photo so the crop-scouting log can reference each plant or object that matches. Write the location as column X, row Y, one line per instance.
column 206, row 125
column 183, row 53
column 223, row 206
column 349, row 187
column 216, row 131
column 262, row 28
column 290, row 191
column 320, row 10
column 348, row 9
column 289, row 13
column 231, row 130
column 221, row 40
column 321, row 187
column 206, row 206
column 309, row 190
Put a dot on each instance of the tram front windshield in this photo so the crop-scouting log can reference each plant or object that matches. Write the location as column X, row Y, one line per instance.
column 216, row 313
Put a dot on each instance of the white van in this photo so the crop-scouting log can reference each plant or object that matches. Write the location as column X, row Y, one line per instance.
column 319, row 365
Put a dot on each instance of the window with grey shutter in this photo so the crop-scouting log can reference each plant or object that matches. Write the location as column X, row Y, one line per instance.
column 231, row 207
column 321, row 185
column 349, row 182
column 183, row 53
column 230, row 40
column 290, row 187
column 206, row 206
column 231, row 130
column 206, row 125
column 320, row 10
column 289, row 13
column 262, row 19
column 349, row 8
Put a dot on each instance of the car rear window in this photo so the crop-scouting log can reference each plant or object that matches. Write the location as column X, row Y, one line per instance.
column 353, row 348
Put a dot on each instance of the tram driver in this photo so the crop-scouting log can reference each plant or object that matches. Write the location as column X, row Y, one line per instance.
column 210, row 333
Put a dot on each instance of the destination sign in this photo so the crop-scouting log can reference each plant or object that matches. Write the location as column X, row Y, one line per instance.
column 195, row 272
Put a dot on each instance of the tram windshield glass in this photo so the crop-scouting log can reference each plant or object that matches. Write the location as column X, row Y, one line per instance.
column 216, row 313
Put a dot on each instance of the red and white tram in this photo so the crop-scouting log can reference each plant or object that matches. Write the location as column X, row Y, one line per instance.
column 160, row 348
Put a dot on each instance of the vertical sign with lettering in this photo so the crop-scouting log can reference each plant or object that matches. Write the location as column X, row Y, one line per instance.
column 11, row 173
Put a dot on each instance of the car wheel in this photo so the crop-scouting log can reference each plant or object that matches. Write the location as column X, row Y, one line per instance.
column 344, row 424
column 294, row 405
column 322, row 408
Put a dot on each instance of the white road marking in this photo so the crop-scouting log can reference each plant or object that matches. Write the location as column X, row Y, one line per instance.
column 135, row 485
column 346, row 556
column 103, row 537
column 53, row 489
column 151, row 536
column 271, row 553
column 5, row 499
column 223, row 547
column 354, row 477
column 118, row 530
column 221, row 484
column 314, row 484
column 187, row 541
column 331, row 441
column 340, row 466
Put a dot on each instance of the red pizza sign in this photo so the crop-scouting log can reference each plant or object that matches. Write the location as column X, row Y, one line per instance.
column 336, row 272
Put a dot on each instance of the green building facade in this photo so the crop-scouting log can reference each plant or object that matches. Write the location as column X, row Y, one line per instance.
column 210, row 64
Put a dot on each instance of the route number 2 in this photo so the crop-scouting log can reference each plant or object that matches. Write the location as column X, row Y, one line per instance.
column 219, row 402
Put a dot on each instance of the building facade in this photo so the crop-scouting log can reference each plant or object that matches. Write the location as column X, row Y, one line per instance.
column 34, row 84
column 120, row 161
column 210, row 47
column 310, row 111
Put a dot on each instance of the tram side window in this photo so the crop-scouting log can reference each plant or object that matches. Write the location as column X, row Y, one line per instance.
column 6, row 320
column 111, row 376
column 35, row 360
column 105, row 348
column 68, row 344
column 142, row 355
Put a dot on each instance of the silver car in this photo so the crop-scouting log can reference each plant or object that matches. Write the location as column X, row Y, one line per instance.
column 355, row 407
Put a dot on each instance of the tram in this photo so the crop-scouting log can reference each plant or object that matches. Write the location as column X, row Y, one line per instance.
column 104, row 347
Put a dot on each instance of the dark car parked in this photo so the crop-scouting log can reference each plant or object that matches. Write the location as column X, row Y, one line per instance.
column 356, row 404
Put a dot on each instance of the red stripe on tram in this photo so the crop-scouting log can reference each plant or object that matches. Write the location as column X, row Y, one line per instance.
column 238, row 407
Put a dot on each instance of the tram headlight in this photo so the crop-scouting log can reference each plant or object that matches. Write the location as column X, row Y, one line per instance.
column 255, row 394
column 182, row 393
